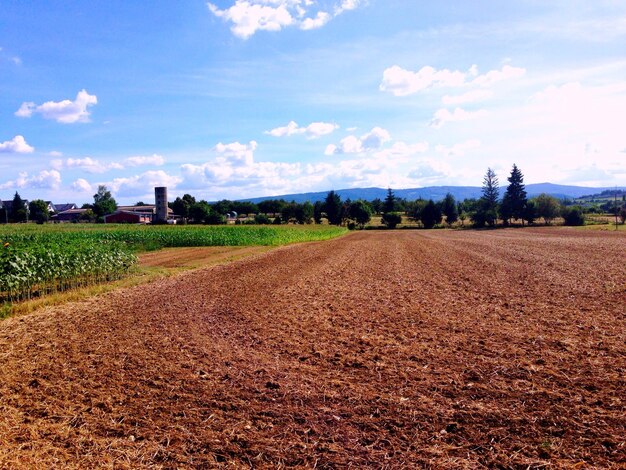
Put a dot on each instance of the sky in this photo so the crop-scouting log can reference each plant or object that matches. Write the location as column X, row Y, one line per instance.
column 247, row 98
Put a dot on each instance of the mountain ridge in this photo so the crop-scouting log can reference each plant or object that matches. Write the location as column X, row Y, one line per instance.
column 437, row 192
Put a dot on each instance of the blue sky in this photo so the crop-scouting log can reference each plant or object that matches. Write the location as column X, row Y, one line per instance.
column 244, row 98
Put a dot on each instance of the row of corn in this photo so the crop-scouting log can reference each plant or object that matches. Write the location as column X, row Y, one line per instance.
column 28, row 270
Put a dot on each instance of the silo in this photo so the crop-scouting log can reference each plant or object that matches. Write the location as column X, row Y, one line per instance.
column 160, row 196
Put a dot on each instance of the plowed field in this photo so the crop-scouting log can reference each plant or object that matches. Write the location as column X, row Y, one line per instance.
column 403, row 349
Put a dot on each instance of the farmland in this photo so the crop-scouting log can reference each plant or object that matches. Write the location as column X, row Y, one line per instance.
column 37, row 260
column 450, row 349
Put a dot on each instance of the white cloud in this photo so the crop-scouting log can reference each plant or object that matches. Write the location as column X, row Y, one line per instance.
column 402, row 82
column 312, row 131
column 45, row 179
column 472, row 96
column 313, row 23
column 16, row 145
column 458, row 150
column 235, row 153
column 142, row 160
column 428, row 172
column 81, row 185
column 494, row 76
column 444, row 116
column 351, row 144
column 91, row 165
column 249, row 16
column 65, row 111
column 142, row 184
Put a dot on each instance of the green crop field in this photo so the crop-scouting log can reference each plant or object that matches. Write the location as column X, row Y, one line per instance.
column 36, row 260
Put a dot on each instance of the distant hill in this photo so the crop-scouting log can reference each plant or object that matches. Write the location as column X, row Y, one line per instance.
column 437, row 193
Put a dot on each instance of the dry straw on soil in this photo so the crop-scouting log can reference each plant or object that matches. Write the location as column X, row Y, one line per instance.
column 378, row 350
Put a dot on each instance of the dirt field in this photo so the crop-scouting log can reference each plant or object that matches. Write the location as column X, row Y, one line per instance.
column 406, row 349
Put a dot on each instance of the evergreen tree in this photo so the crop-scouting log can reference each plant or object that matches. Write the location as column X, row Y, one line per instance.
column 389, row 205
column 431, row 214
column 515, row 196
column 19, row 211
column 487, row 208
column 332, row 207
column 449, row 209
column 317, row 212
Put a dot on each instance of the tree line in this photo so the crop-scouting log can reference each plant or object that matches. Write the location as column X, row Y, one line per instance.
column 514, row 207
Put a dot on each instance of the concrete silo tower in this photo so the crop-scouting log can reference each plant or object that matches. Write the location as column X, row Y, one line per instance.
column 160, row 196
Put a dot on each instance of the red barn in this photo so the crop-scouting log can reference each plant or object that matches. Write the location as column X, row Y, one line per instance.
column 128, row 217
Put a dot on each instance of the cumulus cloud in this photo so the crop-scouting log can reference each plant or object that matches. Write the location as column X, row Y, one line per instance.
column 142, row 184
column 458, row 150
column 402, row 82
column 225, row 177
column 428, row 172
column 373, row 140
column 143, row 160
column 91, row 165
column 312, row 131
column 81, row 185
column 66, row 111
column 313, row 23
column 234, row 167
column 444, row 116
column 249, row 16
column 472, row 96
column 16, row 145
column 45, row 179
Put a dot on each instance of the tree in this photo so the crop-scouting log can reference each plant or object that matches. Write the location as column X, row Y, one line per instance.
column 449, row 209
column 431, row 214
column 19, row 210
column 622, row 214
column 416, row 211
column 317, row 212
column 332, row 207
column 487, row 208
column 304, row 213
column 181, row 206
column 530, row 212
column 361, row 212
column 377, row 205
column 39, row 211
column 271, row 206
column 262, row 219
column 245, row 207
column 515, row 199
column 573, row 215
column 391, row 220
column 103, row 202
column 548, row 207
column 389, row 205
column 200, row 212
column 223, row 207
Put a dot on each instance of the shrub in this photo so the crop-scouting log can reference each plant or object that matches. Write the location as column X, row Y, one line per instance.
column 261, row 219
column 573, row 216
column 391, row 220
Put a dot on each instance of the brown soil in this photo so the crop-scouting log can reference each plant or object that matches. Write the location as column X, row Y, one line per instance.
column 197, row 256
column 443, row 349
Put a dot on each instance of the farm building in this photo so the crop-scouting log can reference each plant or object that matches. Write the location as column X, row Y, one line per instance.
column 58, row 208
column 69, row 215
column 128, row 217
